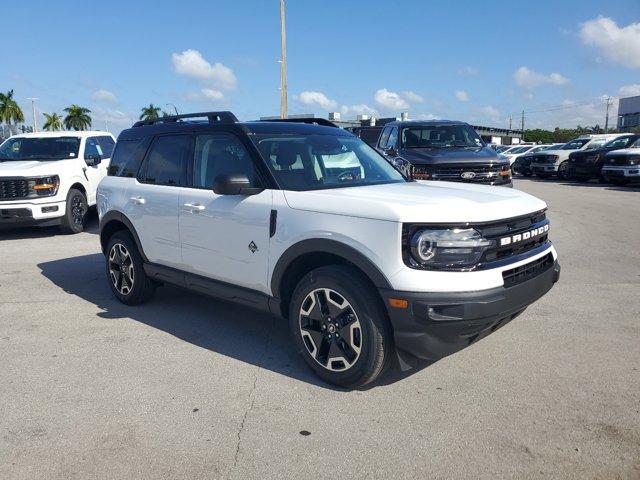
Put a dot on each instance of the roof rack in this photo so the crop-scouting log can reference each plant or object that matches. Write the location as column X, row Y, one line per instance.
column 311, row 120
column 214, row 117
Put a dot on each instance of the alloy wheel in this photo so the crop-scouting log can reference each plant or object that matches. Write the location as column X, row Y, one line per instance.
column 78, row 210
column 121, row 270
column 330, row 329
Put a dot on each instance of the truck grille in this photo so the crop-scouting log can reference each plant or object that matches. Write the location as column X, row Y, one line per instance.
column 544, row 159
column 457, row 173
column 527, row 271
column 619, row 160
column 12, row 189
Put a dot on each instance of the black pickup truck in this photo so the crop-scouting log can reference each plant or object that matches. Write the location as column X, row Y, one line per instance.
column 442, row 150
column 587, row 164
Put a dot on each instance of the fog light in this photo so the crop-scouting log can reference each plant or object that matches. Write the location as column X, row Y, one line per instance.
column 50, row 209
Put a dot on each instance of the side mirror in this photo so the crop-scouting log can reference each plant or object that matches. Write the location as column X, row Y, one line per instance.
column 93, row 160
column 234, row 184
column 390, row 152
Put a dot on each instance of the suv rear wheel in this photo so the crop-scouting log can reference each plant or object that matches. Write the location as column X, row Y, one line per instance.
column 127, row 278
column 75, row 213
column 340, row 326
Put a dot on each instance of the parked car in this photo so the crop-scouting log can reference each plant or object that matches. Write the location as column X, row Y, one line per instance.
column 585, row 165
column 366, row 265
column 622, row 166
column 513, row 153
column 556, row 162
column 442, row 150
column 50, row 178
column 522, row 163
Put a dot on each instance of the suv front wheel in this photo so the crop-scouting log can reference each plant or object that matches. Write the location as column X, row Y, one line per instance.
column 340, row 326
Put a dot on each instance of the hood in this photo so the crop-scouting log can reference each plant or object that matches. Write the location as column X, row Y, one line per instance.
column 449, row 155
column 624, row 151
column 421, row 201
column 30, row 168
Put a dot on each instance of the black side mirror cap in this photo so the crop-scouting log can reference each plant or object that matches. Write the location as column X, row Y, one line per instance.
column 93, row 160
column 234, row 184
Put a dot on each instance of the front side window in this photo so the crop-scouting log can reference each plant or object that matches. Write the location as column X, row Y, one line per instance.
column 91, row 148
column 393, row 139
column 313, row 162
column 166, row 161
column 384, row 137
column 440, row 136
column 39, row 148
column 220, row 154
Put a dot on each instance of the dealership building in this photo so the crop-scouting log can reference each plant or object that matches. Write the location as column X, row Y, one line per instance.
column 629, row 113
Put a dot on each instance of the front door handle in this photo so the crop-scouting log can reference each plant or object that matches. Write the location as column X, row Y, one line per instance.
column 195, row 207
column 138, row 200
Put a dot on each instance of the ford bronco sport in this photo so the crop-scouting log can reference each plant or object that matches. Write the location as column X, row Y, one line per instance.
column 308, row 222
column 50, row 178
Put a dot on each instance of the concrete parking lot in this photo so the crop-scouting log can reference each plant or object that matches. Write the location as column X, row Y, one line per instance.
column 189, row 387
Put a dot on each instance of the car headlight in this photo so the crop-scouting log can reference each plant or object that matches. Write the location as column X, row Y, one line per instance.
column 446, row 248
column 44, row 186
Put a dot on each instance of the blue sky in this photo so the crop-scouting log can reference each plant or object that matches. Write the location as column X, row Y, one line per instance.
column 473, row 61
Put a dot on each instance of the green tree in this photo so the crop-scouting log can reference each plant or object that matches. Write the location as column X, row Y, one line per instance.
column 150, row 113
column 77, row 118
column 52, row 122
column 9, row 109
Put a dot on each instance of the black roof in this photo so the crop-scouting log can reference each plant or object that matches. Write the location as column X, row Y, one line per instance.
column 417, row 123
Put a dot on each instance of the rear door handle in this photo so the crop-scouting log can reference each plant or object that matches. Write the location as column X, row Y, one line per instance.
column 194, row 207
column 138, row 200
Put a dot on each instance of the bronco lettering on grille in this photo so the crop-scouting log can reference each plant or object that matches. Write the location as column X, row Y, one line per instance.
column 523, row 236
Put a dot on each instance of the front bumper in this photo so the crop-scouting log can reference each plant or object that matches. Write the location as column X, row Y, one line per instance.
column 25, row 214
column 627, row 172
column 544, row 168
column 584, row 170
column 435, row 325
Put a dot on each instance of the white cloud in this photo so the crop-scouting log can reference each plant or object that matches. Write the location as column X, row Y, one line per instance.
column 412, row 97
column 616, row 44
column 467, row 71
column 191, row 63
column 427, row 116
column 116, row 119
column 629, row 90
column 212, row 94
column 318, row 99
column 462, row 96
column 361, row 109
column 390, row 100
column 574, row 114
column 490, row 113
column 528, row 78
column 104, row 96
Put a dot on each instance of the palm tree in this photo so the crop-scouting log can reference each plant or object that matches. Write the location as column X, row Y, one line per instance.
column 52, row 122
column 150, row 113
column 77, row 118
column 9, row 109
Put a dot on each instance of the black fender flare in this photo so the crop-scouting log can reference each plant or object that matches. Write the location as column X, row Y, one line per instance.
column 120, row 217
column 322, row 245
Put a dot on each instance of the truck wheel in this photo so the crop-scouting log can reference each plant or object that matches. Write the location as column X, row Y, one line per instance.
column 563, row 170
column 76, row 211
column 127, row 278
column 340, row 326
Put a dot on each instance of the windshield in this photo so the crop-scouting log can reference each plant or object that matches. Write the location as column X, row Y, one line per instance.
column 312, row 162
column 574, row 144
column 620, row 142
column 519, row 150
column 39, row 148
column 440, row 136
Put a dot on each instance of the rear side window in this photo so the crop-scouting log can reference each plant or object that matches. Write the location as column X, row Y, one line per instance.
column 127, row 157
column 167, row 160
column 107, row 144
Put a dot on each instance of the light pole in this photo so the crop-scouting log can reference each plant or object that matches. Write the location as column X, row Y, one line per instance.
column 283, row 64
column 33, row 108
column 174, row 107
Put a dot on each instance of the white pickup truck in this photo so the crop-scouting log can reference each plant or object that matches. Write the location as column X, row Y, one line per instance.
column 50, row 178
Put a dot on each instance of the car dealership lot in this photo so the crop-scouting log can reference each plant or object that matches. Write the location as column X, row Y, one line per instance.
column 190, row 387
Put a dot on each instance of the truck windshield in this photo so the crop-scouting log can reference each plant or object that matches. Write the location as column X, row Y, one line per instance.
column 574, row 144
column 440, row 136
column 39, row 148
column 314, row 162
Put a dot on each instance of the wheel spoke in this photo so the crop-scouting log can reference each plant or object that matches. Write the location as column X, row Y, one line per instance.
column 321, row 301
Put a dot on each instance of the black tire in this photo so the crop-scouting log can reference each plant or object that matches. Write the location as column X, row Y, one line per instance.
column 527, row 174
column 620, row 183
column 75, row 212
column 129, row 282
column 364, row 321
column 582, row 179
column 563, row 170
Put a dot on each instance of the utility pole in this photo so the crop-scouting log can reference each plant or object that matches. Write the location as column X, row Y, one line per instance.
column 606, row 120
column 33, row 108
column 283, row 64
column 522, row 125
column 510, row 121
column 106, row 125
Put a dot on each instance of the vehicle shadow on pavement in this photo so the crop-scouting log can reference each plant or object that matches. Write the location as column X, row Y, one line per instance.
column 234, row 331
column 19, row 233
column 590, row 184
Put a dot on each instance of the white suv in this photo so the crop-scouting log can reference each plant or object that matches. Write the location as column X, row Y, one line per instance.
column 556, row 162
column 51, row 178
column 367, row 266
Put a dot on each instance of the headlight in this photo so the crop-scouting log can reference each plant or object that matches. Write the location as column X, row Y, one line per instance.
column 442, row 249
column 44, row 186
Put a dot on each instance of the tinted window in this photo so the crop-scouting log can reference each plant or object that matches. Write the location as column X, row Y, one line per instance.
column 392, row 142
column 384, row 137
column 91, row 148
column 220, row 154
column 166, row 161
column 40, row 148
column 620, row 142
column 107, row 145
column 127, row 158
column 442, row 136
column 574, row 144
